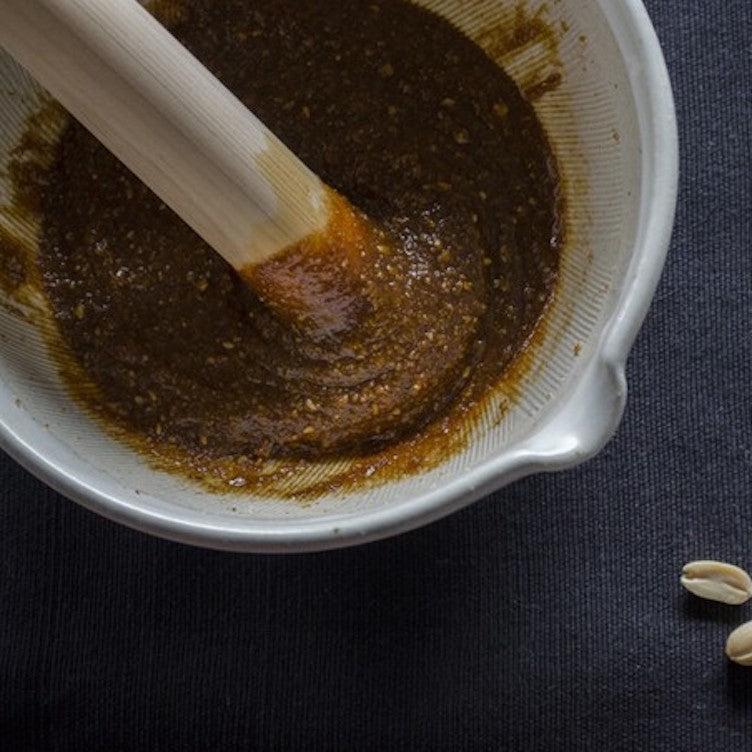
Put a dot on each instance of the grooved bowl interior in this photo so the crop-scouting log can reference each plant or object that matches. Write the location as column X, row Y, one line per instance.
column 596, row 75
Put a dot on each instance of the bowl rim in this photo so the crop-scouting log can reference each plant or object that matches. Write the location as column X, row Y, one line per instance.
column 569, row 437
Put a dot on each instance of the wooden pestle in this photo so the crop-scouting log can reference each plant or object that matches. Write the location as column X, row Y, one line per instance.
column 170, row 121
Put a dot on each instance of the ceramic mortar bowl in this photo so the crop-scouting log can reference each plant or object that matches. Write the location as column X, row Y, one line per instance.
column 596, row 75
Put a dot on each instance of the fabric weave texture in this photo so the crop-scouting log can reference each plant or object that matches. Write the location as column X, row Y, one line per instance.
column 546, row 618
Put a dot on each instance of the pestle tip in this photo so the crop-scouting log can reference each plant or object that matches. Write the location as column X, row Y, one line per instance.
column 317, row 284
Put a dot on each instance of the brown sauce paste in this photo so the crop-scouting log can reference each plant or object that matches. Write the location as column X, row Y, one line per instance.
column 421, row 131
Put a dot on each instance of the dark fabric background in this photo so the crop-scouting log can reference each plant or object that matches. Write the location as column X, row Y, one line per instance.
column 547, row 617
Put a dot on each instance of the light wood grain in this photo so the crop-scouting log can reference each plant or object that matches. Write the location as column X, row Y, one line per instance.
column 141, row 93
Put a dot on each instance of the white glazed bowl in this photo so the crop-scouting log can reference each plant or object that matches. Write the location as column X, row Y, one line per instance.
column 612, row 125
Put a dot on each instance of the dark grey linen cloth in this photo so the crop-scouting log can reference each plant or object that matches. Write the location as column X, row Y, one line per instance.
column 547, row 617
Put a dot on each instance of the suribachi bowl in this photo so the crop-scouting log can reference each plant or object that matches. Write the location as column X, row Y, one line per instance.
column 596, row 74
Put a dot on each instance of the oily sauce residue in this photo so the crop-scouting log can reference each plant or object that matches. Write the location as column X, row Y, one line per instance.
column 26, row 171
column 512, row 42
column 430, row 140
